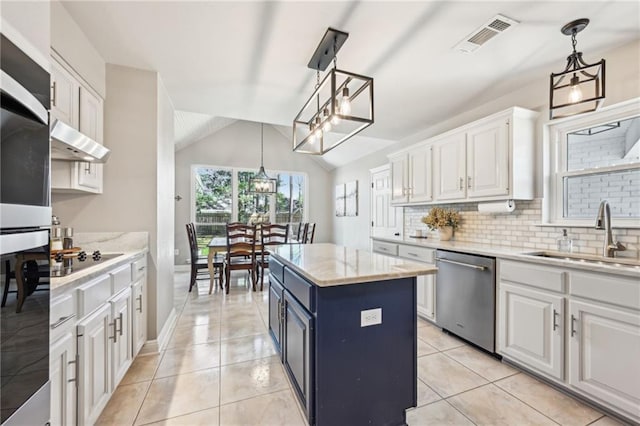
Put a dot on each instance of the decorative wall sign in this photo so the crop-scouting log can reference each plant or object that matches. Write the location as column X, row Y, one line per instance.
column 351, row 198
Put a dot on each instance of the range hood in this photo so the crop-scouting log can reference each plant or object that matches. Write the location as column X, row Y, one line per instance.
column 69, row 144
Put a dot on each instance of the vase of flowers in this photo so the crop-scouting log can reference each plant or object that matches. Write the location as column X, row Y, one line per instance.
column 443, row 220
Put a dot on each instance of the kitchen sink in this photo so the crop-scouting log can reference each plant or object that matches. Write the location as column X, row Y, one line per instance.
column 585, row 258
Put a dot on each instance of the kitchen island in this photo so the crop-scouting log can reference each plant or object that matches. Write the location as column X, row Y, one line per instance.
column 345, row 324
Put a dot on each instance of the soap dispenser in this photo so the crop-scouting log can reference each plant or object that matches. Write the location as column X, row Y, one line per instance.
column 565, row 244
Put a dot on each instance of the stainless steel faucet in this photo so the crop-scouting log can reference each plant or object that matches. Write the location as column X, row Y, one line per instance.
column 603, row 221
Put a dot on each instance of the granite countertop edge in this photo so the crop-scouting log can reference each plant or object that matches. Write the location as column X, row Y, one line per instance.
column 86, row 275
column 512, row 253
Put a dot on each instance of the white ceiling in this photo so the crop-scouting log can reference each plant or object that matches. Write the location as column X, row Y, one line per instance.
column 248, row 60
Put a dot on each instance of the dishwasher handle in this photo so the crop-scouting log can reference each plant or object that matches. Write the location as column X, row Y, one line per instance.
column 467, row 265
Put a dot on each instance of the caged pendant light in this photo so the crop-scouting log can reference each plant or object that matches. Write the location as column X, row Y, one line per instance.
column 580, row 87
column 341, row 105
column 261, row 183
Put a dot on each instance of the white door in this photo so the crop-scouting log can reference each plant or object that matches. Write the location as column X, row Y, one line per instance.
column 139, row 332
column 122, row 352
column 62, row 374
column 426, row 296
column 95, row 345
column 449, row 167
column 64, row 95
column 399, row 176
column 530, row 328
column 488, row 160
column 604, row 354
column 385, row 219
column 420, row 174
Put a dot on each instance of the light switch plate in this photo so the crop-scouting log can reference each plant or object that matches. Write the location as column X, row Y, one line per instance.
column 370, row 317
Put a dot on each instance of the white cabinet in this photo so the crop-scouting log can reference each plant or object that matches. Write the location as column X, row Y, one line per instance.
column 122, row 343
column 139, row 300
column 426, row 295
column 604, row 354
column 488, row 159
column 78, row 106
column 530, row 328
column 95, row 336
column 63, row 375
column 450, row 167
column 411, row 176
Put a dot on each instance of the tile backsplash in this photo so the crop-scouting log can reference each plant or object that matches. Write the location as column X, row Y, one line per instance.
column 522, row 229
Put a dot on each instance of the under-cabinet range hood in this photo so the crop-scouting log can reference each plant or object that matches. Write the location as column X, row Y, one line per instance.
column 69, row 144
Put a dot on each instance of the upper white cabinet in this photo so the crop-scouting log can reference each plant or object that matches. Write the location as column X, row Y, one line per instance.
column 77, row 105
column 488, row 159
column 411, row 176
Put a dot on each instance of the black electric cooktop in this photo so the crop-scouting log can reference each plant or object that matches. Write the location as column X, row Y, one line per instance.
column 69, row 265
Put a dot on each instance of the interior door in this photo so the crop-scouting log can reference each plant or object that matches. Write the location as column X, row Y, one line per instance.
column 385, row 219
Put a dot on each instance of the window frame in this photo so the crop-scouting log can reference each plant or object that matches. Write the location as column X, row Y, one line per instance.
column 555, row 163
column 235, row 191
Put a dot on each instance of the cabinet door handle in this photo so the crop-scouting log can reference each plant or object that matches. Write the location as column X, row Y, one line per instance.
column 53, row 94
column 469, row 182
column 139, row 299
column 115, row 330
column 140, row 269
column 61, row 321
column 573, row 322
column 279, row 312
column 87, row 169
column 121, row 326
column 76, row 368
column 555, row 315
column 461, row 183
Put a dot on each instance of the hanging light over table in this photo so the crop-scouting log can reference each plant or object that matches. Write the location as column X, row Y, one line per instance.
column 261, row 183
column 580, row 87
column 341, row 105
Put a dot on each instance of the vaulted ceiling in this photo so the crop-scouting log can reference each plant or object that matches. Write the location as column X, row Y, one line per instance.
column 232, row 60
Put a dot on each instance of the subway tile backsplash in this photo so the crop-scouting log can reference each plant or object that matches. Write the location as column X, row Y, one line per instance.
column 521, row 229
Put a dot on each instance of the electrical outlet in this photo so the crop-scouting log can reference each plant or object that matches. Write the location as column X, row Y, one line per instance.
column 370, row 317
column 176, row 252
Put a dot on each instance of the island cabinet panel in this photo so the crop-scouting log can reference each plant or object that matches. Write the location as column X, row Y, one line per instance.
column 349, row 350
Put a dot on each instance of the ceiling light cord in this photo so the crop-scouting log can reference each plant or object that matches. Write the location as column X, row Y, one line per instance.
column 261, row 144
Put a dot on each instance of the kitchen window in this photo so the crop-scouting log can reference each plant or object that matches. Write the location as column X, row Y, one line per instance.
column 595, row 158
column 221, row 195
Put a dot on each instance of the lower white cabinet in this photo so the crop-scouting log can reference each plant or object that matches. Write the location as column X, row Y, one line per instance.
column 426, row 295
column 604, row 354
column 63, row 374
column 123, row 339
column 95, row 336
column 139, row 332
column 530, row 328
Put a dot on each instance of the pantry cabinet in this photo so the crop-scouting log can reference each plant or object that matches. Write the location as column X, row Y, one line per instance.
column 76, row 104
column 411, row 176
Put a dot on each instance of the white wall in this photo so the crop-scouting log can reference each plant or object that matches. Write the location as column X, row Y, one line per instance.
column 27, row 25
column 68, row 40
column 623, row 68
column 138, row 179
column 238, row 145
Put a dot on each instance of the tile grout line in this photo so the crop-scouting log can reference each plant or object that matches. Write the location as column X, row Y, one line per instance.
column 525, row 403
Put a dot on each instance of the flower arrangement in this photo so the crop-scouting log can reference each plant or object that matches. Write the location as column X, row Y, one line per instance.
column 439, row 218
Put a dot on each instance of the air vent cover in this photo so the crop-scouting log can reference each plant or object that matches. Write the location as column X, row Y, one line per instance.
column 486, row 32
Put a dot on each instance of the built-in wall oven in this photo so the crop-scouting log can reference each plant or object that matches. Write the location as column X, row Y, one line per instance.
column 25, row 213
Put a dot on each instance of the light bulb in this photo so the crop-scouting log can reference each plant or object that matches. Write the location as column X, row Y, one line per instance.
column 345, row 103
column 318, row 128
column 327, row 123
column 575, row 94
column 335, row 120
column 312, row 135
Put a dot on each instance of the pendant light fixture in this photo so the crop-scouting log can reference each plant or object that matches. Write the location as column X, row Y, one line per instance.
column 341, row 105
column 261, row 183
column 580, row 87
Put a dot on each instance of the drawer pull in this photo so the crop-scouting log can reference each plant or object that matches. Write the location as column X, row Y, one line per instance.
column 383, row 249
column 555, row 315
column 61, row 321
column 140, row 269
column 573, row 322
column 413, row 254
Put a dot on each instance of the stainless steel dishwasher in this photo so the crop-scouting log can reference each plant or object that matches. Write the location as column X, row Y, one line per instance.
column 465, row 296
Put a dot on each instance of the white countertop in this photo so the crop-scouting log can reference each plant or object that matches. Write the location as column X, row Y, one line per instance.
column 328, row 265
column 521, row 254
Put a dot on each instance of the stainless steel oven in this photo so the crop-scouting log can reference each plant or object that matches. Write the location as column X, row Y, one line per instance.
column 24, row 140
column 24, row 242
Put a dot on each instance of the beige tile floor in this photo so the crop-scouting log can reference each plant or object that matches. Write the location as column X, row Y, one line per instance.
column 220, row 368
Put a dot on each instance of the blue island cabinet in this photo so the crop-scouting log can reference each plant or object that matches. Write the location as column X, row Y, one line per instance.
column 349, row 350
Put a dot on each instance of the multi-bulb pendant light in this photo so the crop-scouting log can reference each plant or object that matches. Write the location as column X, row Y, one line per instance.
column 580, row 87
column 261, row 183
column 341, row 105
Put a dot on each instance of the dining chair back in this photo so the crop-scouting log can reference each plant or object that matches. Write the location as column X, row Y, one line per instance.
column 301, row 231
column 309, row 233
column 199, row 265
column 270, row 236
column 241, row 251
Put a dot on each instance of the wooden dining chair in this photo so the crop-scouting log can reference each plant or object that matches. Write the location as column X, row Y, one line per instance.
column 309, row 233
column 270, row 236
column 241, row 252
column 200, row 264
column 301, row 231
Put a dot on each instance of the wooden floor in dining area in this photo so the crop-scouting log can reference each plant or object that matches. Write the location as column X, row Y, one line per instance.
column 220, row 368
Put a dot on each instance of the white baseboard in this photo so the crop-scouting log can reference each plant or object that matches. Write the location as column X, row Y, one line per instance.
column 157, row 345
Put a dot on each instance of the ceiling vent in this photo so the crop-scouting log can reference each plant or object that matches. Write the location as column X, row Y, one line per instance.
column 492, row 28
